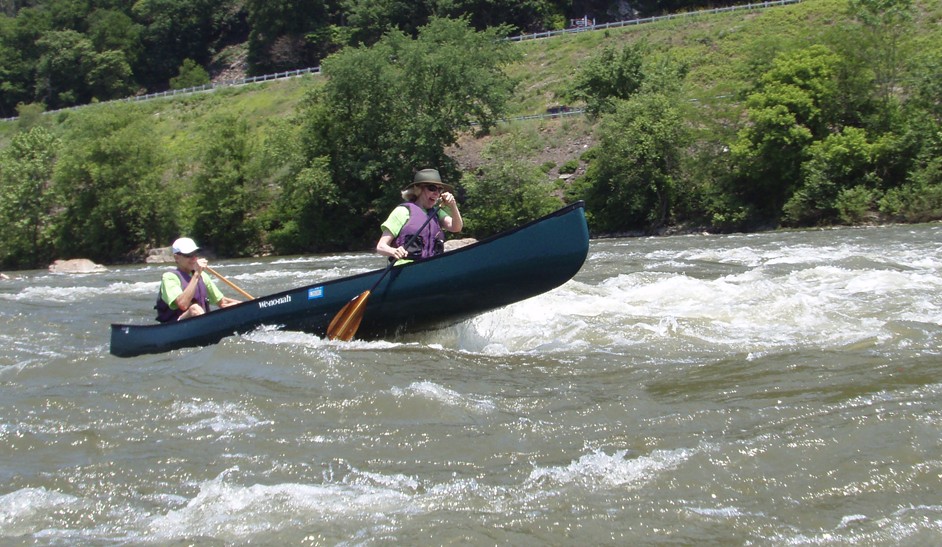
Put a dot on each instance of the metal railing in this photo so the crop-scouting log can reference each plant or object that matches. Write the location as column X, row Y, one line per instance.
column 522, row 37
column 631, row 22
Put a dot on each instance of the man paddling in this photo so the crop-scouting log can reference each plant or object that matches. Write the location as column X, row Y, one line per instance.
column 188, row 291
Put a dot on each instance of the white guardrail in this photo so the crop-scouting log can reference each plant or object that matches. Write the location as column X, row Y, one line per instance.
column 522, row 37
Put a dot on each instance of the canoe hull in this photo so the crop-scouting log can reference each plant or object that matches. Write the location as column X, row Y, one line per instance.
column 446, row 289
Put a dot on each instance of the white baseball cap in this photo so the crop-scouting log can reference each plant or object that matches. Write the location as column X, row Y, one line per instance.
column 185, row 246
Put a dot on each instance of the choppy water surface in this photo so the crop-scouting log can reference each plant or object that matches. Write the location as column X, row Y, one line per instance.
column 777, row 388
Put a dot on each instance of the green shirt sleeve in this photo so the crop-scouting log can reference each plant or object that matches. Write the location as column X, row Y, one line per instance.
column 213, row 294
column 397, row 219
column 170, row 289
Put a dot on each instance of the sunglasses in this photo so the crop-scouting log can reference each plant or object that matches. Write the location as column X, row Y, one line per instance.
column 433, row 188
column 191, row 255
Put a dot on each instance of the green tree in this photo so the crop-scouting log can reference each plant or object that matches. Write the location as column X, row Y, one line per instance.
column 30, row 115
column 28, row 202
column 62, row 68
column 919, row 199
column 525, row 16
column 635, row 176
column 16, row 78
column 226, row 193
column 191, row 75
column 297, row 221
column 880, row 42
column 174, row 30
column 300, row 224
column 109, row 76
column 116, row 203
column 369, row 20
column 609, row 77
column 794, row 105
column 836, row 164
column 114, row 30
column 71, row 72
column 390, row 109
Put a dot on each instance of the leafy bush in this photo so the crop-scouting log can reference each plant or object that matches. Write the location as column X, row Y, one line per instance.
column 569, row 167
column 505, row 192
column 854, row 205
column 191, row 75
column 634, row 176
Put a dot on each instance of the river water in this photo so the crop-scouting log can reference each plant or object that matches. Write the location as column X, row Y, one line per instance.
column 778, row 388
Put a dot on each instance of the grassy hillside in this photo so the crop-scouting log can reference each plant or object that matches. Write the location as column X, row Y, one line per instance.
column 719, row 47
column 722, row 50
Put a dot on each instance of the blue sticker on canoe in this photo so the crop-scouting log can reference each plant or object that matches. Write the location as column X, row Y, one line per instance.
column 316, row 292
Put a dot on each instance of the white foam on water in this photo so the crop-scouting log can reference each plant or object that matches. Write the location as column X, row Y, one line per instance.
column 28, row 510
column 607, row 470
column 329, row 259
column 451, row 398
column 82, row 293
column 273, row 335
column 722, row 512
column 811, row 303
column 227, row 417
column 290, row 279
column 232, row 512
column 850, row 520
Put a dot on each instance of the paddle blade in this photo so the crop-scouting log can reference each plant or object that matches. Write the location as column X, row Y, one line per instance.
column 344, row 325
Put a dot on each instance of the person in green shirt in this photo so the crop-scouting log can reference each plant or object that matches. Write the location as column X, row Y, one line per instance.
column 177, row 301
column 409, row 219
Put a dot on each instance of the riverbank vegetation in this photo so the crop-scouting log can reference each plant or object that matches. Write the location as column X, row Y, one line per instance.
column 818, row 113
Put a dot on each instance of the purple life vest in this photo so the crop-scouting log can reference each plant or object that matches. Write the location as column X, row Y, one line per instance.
column 165, row 313
column 430, row 242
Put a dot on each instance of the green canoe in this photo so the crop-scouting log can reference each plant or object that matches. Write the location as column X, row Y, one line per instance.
column 500, row 270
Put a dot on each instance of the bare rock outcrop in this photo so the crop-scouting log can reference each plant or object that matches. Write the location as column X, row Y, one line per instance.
column 76, row 266
column 453, row 244
column 159, row 255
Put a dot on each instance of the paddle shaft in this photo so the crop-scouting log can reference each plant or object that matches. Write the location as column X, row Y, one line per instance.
column 230, row 283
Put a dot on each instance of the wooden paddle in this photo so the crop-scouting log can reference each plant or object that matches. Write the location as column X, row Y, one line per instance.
column 344, row 325
column 230, row 283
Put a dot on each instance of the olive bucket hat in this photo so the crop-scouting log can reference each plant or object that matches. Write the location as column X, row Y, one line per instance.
column 429, row 176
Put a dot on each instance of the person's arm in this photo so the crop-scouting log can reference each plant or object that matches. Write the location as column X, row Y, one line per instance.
column 397, row 219
column 452, row 222
column 385, row 248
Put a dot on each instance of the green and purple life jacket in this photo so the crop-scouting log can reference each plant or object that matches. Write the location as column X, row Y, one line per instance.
column 431, row 240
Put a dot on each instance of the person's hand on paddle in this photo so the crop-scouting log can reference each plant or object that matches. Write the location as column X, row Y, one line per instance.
column 399, row 253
